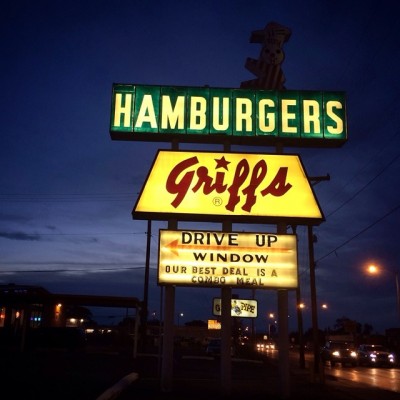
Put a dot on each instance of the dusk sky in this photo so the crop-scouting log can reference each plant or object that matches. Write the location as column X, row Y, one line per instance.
column 67, row 189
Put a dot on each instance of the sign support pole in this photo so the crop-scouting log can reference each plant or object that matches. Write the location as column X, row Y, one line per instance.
column 168, row 340
column 226, row 323
column 167, row 362
column 283, row 331
column 283, row 324
column 226, row 341
column 314, row 314
column 144, row 310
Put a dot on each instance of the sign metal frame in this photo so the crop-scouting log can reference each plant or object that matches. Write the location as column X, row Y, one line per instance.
column 216, row 115
column 256, row 260
column 240, row 308
column 302, row 202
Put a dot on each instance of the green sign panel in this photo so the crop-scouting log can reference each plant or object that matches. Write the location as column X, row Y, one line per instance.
column 237, row 116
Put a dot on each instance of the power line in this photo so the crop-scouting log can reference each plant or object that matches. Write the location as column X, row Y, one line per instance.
column 64, row 197
column 360, row 233
column 81, row 234
column 61, row 270
column 65, row 194
column 392, row 161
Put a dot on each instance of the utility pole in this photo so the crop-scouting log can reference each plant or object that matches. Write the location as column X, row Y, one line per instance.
column 302, row 361
column 313, row 290
column 314, row 316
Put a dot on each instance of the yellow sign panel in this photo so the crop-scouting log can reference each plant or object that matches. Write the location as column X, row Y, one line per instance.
column 246, row 260
column 237, row 186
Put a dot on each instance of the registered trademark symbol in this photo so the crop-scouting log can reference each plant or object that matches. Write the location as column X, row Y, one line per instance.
column 217, row 201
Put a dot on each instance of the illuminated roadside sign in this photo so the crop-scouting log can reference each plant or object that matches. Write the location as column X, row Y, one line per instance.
column 239, row 308
column 213, row 324
column 245, row 260
column 214, row 115
column 243, row 187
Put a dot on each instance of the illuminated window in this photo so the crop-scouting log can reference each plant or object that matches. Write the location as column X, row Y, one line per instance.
column 2, row 316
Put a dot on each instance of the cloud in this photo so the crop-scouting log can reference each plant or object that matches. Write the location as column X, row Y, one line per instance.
column 20, row 236
column 7, row 217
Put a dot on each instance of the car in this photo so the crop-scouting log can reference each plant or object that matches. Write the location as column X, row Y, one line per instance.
column 265, row 346
column 339, row 352
column 375, row 355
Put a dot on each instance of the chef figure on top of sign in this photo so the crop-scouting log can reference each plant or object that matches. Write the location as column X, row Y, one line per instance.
column 268, row 66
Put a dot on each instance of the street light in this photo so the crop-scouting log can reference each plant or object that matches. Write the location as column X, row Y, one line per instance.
column 375, row 270
column 179, row 317
column 300, row 307
column 271, row 316
column 303, row 306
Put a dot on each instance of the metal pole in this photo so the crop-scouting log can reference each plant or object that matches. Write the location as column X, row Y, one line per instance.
column 226, row 321
column 160, row 332
column 283, row 324
column 144, row 311
column 283, row 334
column 283, row 344
column 135, row 341
column 302, row 361
column 167, row 362
column 313, row 290
column 269, row 330
column 168, row 341
column 253, row 292
column 314, row 315
column 226, row 341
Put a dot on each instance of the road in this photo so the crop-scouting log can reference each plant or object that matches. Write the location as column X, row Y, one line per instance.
column 63, row 375
column 383, row 378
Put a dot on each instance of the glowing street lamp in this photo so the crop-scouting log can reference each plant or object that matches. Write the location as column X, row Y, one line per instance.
column 271, row 316
column 303, row 306
column 372, row 269
column 179, row 317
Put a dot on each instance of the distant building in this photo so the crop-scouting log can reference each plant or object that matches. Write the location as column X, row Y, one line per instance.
column 24, row 307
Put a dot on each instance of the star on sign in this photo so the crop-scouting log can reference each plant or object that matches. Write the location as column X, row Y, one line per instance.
column 222, row 163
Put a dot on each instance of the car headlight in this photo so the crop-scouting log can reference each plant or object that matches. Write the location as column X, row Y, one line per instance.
column 353, row 354
column 336, row 353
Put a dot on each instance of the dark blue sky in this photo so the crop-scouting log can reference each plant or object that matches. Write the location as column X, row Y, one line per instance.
column 67, row 190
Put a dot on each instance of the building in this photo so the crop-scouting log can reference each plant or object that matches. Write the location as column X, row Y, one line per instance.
column 24, row 308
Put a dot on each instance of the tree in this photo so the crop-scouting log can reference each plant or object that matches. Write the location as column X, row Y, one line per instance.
column 346, row 325
column 367, row 329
